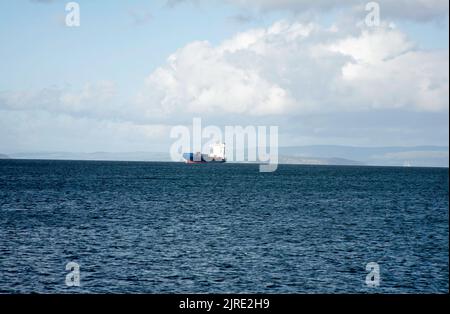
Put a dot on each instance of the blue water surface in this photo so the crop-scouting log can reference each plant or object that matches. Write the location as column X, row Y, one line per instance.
column 148, row 227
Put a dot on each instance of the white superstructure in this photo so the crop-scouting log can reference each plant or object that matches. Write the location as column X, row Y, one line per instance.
column 217, row 151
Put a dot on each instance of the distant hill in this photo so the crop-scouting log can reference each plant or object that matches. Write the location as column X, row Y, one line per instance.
column 152, row 156
column 418, row 156
column 3, row 156
column 295, row 160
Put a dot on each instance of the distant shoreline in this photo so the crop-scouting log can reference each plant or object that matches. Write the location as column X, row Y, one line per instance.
column 415, row 156
column 227, row 163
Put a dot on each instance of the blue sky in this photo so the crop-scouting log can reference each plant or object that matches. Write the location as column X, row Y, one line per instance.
column 39, row 51
column 112, row 73
column 110, row 44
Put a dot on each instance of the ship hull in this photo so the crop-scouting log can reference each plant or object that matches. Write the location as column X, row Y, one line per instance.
column 191, row 158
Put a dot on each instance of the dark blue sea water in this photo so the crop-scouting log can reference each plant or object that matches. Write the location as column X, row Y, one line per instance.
column 170, row 227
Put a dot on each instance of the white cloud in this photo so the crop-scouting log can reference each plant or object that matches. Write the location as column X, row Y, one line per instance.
column 93, row 98
column 287, row 68
column 200, row 79
column 415, row 10
column 89, row 97
column 300, row 76
column 294, row 68
column 374, row 46
column 418, row 10
column 414, row 80
column 65, row 119
column 38, row 130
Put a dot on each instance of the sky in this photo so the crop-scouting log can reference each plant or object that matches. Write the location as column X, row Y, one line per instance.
column 134, row 69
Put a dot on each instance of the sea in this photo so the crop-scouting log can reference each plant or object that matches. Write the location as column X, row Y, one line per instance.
column 155, row 227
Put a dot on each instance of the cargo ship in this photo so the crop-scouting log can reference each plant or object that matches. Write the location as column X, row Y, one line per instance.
column 216, row 154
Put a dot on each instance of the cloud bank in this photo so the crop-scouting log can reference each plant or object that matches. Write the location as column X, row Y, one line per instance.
column 415, row 10
column 344, row 84
column 294, row 68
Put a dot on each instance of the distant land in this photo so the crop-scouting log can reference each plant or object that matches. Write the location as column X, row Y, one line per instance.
column 417, row 156
column 298, row 160
column 3, row 156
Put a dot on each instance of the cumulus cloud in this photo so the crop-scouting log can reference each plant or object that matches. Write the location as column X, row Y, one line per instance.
column 416, row 10
column 321, row 84
column 200, row 79
column 289, row 68
column 68, row 119
column 295, row 68
column 40, row 130
column 92, row 99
